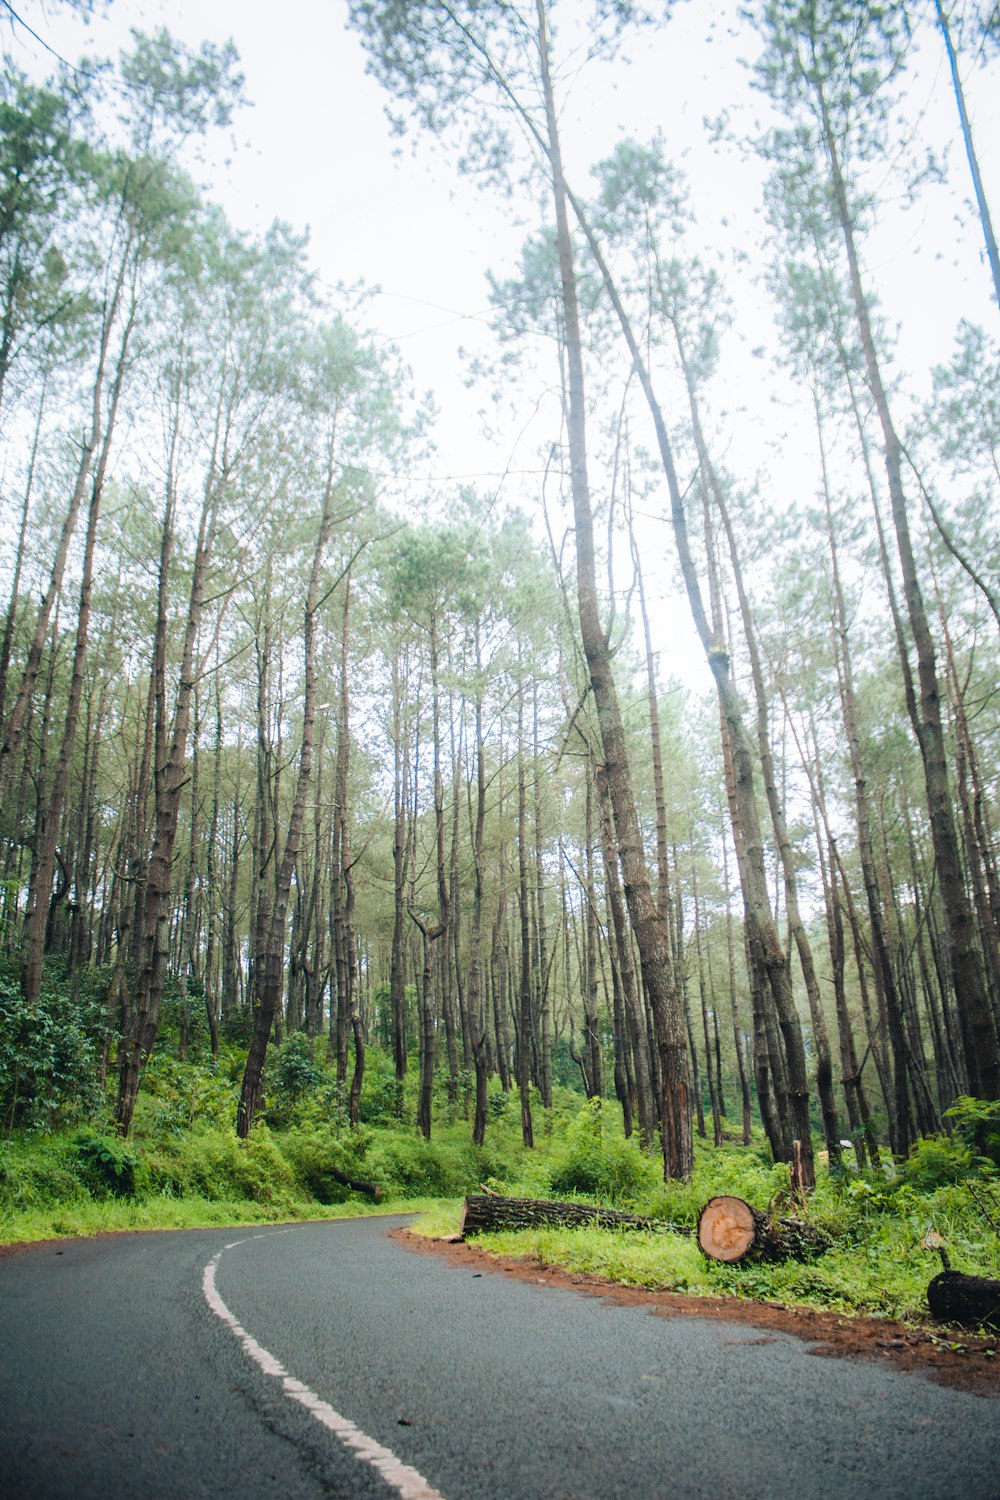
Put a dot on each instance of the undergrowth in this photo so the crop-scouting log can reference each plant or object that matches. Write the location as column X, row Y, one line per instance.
column 63, row 1171
column 877, row 1264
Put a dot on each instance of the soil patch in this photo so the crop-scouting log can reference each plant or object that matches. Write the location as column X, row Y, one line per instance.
column 947, row 1355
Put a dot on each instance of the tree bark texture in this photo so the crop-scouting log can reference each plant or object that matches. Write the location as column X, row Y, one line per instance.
column 489, row 1213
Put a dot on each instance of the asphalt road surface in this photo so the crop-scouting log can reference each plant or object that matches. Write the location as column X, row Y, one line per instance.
column 328, row 1360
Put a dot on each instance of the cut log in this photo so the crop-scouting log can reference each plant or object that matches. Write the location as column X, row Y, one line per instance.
column 732, row 1230
column 490, row 1213
column 972, row 1301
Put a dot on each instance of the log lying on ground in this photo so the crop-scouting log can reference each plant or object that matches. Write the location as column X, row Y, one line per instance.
column 973, row 1301
column 371, row 1188
column 732, row 1231
column 491, row 1213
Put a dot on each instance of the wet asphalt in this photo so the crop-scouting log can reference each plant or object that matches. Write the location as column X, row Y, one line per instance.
column 118, row 1381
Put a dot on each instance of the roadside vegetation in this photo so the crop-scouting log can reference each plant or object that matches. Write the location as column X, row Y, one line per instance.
column 64, row 1170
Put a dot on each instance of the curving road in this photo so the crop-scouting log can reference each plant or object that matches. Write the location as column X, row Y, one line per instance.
column 327, row 1360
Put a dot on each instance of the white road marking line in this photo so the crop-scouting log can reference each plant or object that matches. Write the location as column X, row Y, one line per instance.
column 407, row 1482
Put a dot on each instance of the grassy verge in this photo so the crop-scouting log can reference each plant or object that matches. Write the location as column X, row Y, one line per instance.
column 876, row 1266
column 73, row 1220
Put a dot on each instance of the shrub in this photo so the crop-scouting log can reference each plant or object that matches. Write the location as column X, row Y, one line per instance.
column 186, row 1094
column 323, row 1109
column 381, row 1095
column 935, row 1161
column 214, row 1164
column 409, row 1166
column 48, row 1070
column 314, row 1156
column 601, row 1164
column 37, row 1172
column 977, row 1125
column 496, row 1105
column 298, row 1090
column 107, row 1168
column 381, row 1101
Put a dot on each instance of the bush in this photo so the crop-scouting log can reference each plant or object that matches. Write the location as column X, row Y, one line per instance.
column 313, row 1158
column 496, row 1105
column 36, row 1173
column 107, row 1168
column 293, row 1071
column 214, row 1164
column 381, row 1094
column 601, row 1164
column 182, row 1095
column 48, row 1066
column 381, row 1101
column 935, row 1161
column 299, row 1091
column 409, row 1166
column 977, row 1125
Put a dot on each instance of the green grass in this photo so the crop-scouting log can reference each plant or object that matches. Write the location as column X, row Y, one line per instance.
column 157, row 1212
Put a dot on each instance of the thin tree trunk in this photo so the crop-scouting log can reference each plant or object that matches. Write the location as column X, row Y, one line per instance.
column 267, row 998
column 649, row 929
column 12, row 603
column 713, row 1090
column 47, row 834
column 978, row 1030
column 733, row 999
column 476, row 996
column 989, row 236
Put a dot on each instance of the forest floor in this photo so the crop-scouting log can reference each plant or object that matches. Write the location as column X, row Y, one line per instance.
column 949, row 1356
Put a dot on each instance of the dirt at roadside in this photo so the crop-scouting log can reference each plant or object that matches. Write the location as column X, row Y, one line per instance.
column 948, row 1355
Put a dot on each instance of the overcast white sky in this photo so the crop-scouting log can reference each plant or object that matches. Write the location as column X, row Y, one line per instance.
column 315, row 149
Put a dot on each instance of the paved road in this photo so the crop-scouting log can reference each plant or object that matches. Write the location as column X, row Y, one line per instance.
column 122, row 1375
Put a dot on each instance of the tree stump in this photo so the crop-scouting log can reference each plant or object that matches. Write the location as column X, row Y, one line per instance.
column 972, row 1301
column 491, row 1213
column 733, row 1231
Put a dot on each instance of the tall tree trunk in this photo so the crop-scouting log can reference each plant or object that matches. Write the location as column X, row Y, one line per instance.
column 821, row 1042
column 476, row 988
column 593, row 1063
column 212, row 893
column 649, row 929
column 47, row 834
column 12, row 603
column 270, row 961
column 713, row 1088
column 978, row 1030
column 347, row 863
column 882, row 958
column 544, row 998
column 400, row 845
column 154, row 925
column 432, row 935
column 989, row 235
column 631, row 1000
column 745, row 1096
column 762, row 938
column 13, row 727
column 524, row 1027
